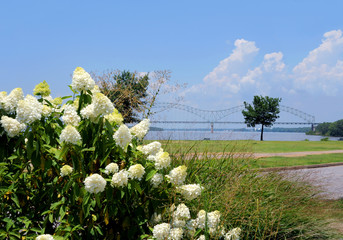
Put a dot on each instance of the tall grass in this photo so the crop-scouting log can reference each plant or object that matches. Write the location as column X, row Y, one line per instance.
column 263, row 205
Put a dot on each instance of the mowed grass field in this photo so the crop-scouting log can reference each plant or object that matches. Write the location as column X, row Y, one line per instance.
column 212, row 146
column 190, row 146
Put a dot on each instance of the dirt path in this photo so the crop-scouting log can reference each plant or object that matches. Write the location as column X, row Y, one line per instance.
column 255, row 155
column 295, row 154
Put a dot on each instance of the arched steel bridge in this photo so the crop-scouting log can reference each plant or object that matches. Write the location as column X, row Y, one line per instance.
column 214, row 116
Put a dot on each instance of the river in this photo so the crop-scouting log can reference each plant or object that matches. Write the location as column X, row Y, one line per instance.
column 231, row 135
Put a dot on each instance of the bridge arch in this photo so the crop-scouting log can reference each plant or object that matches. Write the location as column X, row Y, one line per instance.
column 215, row 115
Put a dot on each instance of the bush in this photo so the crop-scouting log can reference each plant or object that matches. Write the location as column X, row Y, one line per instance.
column 264, row 205
column 74, row 171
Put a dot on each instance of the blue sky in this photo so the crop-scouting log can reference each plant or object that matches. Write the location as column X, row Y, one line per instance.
column 226, row 51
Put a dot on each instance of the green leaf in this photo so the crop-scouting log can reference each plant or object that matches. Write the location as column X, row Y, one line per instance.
column 15, row 200
column 62, row 212
column 150, row 175
column 66, row 97
column 62, row 152
column 51, row 217
column 91, row 149
column 136, row 186
column 9, row 223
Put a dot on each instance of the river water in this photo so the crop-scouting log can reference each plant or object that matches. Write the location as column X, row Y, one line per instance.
column 231, row 135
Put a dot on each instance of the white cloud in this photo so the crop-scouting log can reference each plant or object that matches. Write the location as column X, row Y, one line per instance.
column 322, row 69
column 229, row 70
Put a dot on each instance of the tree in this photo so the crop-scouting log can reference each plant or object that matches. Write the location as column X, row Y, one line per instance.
column 336, row 128
column 127, row 90
column 323, row 128
column 134, row 94
column 264, row 111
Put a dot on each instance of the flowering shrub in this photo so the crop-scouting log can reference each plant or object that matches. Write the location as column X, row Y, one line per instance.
column 76, row 171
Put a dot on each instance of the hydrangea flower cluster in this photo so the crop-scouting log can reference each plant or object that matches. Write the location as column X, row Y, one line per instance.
column 10, row 102
column 114, row 117
column 120, row 179
column 122, row 137
column 95, row 183
column 177, row 176
column 190, row 191
column 45, row 237
column 82, row 81
column 111, row 168
column 12, row 126
column 70, row 116
column 29, row 110
column 66, row 170
column 136, row 171
column 42, row 89
column 70, row 135
column 141, row 129
column 150, row 149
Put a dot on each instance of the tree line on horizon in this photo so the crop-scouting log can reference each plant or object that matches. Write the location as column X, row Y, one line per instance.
column 333, row 129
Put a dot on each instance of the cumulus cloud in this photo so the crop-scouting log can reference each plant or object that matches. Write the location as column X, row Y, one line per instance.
column 235, row 76
column 322, row 69
column 230, row 70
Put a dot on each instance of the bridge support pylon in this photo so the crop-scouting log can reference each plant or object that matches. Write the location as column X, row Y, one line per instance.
column 212, row 127
column 313, row 128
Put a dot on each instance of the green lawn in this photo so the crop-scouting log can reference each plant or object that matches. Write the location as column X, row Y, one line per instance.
column 297, row 161
column 179, row 146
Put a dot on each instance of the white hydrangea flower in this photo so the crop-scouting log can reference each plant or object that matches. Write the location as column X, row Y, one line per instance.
column 182, row 212
column 70, row 135
column 136, row 171
column 66, row 170
column 3, row 96
column 178, row 175
column 29, row 110
column 151, row 149
column 45, row 237
column 122, row 136
column 111, row 168
column 48, row 99
column 213, row 219
column 202, row 237
column 12, row 126
column 46, row 110
column 162, row 160
column 156, row 180
column 190, row 191
column 120, row 179
column 177, row 223
column 95, row 90
column 233, row 234
column 95, row 183
column 141, row 129
column 11, row 101
column 102, row 105
column 175, row 234
column 201, row 219
column 70, row 116
column 88, row 112
column 115, row 117
column 161, row 231
column 82, row 81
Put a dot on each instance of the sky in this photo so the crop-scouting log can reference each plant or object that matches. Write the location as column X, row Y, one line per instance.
column 225, row 51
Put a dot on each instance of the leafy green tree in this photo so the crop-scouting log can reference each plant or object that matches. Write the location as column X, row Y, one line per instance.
column 264, row 111
column 336, row 128
column 323, row 128
column 128, row 91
